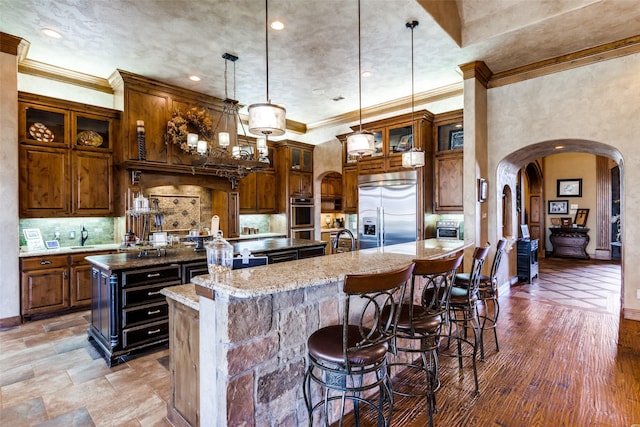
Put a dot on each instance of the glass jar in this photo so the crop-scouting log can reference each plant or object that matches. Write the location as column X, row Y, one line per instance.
column 219, row 256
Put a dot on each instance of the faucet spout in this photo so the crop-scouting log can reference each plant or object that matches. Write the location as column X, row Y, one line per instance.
column 84, row 235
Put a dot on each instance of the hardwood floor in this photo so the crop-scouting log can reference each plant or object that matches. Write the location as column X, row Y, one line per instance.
column 566, row 359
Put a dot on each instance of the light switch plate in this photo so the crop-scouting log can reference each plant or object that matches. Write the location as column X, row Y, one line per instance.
column 574, row 206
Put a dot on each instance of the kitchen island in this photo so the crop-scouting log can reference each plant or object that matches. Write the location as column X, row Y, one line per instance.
column 253, row 327
column 128, row 312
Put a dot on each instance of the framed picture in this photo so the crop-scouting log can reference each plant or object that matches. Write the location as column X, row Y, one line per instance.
column 581, row 217
column 482, row 189
column 565, row 221
column 558, row 207
column 570, row 187
column 456, row 139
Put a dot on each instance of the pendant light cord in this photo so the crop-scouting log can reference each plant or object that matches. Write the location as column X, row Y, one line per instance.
column 359, row 69
column 411, row 25
column 266, row 37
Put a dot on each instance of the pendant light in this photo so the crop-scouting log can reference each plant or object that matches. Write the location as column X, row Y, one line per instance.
column 412, row 158
column 360, row 143
column 267, row 118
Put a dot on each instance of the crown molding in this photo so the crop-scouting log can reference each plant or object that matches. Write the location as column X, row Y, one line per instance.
column 10, row 44
column 438, row 94
column 51, row 72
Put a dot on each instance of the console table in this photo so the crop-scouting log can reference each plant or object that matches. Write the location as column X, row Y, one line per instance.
column 569, row 242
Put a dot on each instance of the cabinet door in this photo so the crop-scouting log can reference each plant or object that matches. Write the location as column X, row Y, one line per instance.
column 92, row 183
column 350, row 190
column 43, row 125
column 80, row 290
column 301, row 184
column 101, row 309
column 152, row 109
column 45, row 290
column 247, row 194
column 44, row 186
column 448, row 186
column 234, row 215
column 266, row 192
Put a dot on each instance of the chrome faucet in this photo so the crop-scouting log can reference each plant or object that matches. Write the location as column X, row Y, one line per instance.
column 84, row 235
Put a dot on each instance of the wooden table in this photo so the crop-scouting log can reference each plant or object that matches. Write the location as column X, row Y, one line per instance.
column 569, row 242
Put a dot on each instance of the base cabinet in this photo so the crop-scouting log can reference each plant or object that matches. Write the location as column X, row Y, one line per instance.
column 527, row 259
column 183, row 407
column 569, row 242
column 128, row 312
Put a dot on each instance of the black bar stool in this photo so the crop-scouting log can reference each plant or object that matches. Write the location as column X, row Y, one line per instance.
column 422, row 315
column 463, row 314
column 488, row 294
column 349, row 361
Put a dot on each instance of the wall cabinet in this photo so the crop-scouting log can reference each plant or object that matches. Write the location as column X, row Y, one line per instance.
column 294, row 170
column 54, row 284
column 448, row 171
column 448, row 162
column 66, row 166
column 257, row 193
column 393, row 136
column 350, row 189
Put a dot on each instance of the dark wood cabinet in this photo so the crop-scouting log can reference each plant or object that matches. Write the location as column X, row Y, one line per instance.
column 257, row 192
column 350, row 189
column 227, row 205
column 129, row 313
column 66, row 164
column 569, row 242
column 448, row 171
column 55, row 284
column 448, row 162
column 527, row 259
column 294, row 170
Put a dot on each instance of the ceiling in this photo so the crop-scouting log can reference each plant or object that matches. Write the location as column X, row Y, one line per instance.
column 314, row 60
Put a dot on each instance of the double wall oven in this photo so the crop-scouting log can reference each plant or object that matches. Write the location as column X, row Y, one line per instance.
column 301, row 219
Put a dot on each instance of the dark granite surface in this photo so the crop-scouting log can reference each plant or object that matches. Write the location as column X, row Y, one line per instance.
column 131, row 259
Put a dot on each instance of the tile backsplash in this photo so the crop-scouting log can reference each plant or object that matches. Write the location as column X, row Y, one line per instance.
column 101, row 230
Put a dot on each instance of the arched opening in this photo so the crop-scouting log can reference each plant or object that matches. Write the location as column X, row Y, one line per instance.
column 524, row 170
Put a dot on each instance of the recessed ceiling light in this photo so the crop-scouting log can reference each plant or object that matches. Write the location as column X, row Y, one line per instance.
column 317, row 91
column 194, row 78
column 367, row 74
column 559, row 147
column 52, row 33
column 277, row 25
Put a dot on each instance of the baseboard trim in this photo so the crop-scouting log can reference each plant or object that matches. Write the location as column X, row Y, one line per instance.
column 631, row 314
column 10, row 322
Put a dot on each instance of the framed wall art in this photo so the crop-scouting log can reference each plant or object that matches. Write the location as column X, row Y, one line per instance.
column 456, row 139
column 581, row 217
column 570, row 187
column 558, row 207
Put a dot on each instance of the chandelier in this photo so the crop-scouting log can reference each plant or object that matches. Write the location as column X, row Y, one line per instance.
column 213, row 147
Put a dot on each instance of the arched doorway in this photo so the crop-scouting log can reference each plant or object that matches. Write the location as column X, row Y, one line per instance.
column 520, row 166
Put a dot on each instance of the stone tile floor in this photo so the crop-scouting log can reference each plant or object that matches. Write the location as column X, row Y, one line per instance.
column 50, row 375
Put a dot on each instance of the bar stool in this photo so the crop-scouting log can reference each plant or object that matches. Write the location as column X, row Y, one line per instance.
column 421, row 317
column 463, row 314
column 488, row 294
column 349, row 361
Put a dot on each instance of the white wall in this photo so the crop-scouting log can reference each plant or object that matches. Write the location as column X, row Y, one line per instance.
column 595, row 103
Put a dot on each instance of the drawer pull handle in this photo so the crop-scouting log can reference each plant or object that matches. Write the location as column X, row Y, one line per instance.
column 149, row 313
column 45, row 262
column 155, row 331
column 153, row 293
column 150, row 275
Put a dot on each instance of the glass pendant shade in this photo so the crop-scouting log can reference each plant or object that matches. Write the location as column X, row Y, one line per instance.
column 202, row 146
column 267, row 119
column 413, row 159
column 360, row 143
column 261, row 144
column 223, row 139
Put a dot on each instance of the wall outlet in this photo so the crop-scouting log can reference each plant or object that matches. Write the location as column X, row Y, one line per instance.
column 72, row 234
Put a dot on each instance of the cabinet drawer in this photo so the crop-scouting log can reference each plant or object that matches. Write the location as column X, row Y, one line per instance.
column 144, row 314
column 36, row 263
column 283, row 256
column 157, row 331
column 145, row 294
column 150, row 275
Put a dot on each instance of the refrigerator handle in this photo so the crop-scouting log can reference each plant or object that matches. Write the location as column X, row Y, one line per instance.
column 381, row 226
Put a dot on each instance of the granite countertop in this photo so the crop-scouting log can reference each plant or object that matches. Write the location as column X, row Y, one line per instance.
column 287, row 276
column 130, row 259
column 71, row 250
column 185, row 294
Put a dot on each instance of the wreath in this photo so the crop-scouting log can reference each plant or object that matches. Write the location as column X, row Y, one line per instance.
column 195, row 119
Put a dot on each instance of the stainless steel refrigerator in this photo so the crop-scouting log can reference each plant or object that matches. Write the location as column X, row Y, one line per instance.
column 387, row 209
